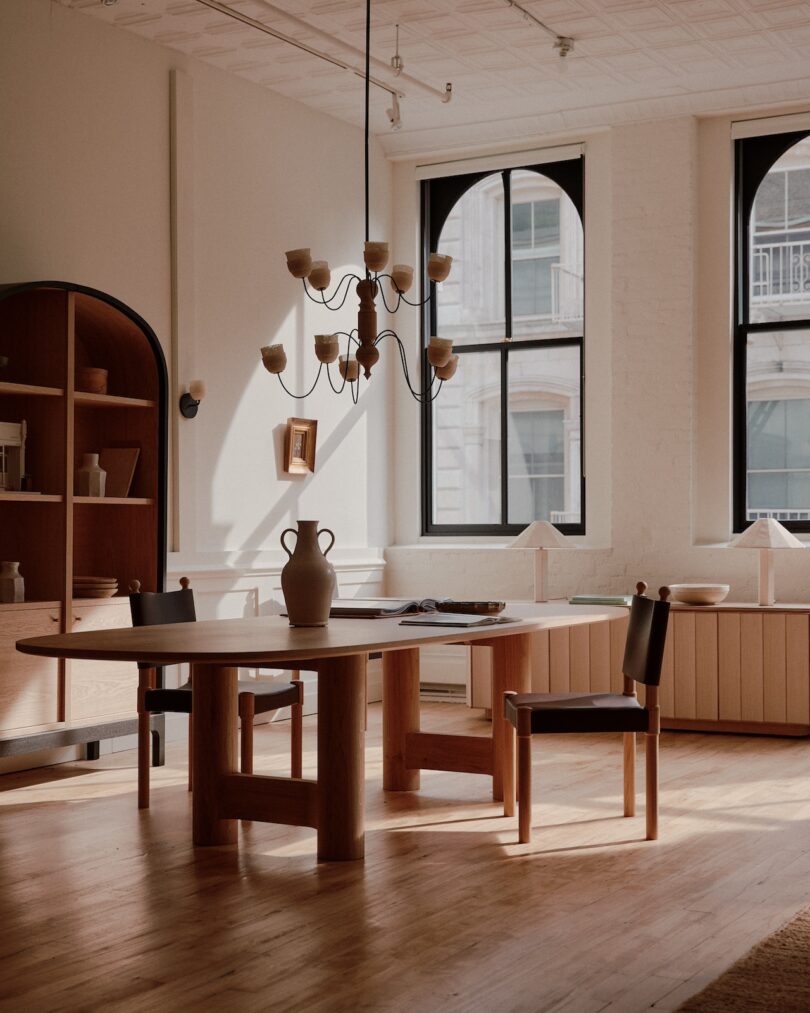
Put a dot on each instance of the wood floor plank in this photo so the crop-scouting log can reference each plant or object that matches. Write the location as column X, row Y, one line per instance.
column 103, row 907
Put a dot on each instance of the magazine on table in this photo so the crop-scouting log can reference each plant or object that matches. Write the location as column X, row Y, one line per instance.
column 380, row 608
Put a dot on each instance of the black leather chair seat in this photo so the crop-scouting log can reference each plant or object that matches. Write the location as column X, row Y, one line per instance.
column 579, row 712
column 268, row 697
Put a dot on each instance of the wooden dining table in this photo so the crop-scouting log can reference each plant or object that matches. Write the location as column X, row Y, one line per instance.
column 333, row 803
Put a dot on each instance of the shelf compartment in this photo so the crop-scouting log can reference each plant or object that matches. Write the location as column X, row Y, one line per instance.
column 111, row 400
column 114, row 500
column 30, row 390
column 29, row 497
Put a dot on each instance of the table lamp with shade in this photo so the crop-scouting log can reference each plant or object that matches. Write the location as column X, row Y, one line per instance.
column 766, row 534
column 540, row 535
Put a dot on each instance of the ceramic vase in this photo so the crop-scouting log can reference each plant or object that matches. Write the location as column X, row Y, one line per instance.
column 12, row 585
column 91, row 479
column 308, row 580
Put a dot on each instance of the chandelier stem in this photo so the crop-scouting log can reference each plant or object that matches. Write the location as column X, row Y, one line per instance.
column 367, row 84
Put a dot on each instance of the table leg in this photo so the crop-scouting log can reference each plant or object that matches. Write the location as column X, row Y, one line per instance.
column 341, row 758
column 214, row 732
column 400, row 716
column 511, row 669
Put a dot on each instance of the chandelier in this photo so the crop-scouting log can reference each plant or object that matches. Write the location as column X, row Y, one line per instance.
column 362, row 343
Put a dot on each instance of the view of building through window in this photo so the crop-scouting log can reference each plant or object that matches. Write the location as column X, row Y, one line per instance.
column 778, row 358
column 491, row 467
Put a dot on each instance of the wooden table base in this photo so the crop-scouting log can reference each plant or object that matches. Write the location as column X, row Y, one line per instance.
column 334, row 804
column 407, row 750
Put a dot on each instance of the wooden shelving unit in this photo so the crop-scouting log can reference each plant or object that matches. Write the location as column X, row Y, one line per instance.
column 48, row 331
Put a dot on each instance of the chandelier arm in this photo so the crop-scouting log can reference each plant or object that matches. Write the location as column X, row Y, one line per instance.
column 415, row 394
column 323, row 301
column 300, row 397
column 382, row 294
column 419, row 302
column 336, row 390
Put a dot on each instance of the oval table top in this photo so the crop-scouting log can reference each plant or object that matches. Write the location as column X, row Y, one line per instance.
column 270, row 641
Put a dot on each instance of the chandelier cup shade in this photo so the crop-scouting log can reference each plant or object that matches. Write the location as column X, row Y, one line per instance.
column 349, row 368
column 274, row 358
column 439, row 351
column 448, row 370
column 401, row 278
column 375, row 256
column 439, row 265
column 327, row 347
column 319, row 275
column 299, row 262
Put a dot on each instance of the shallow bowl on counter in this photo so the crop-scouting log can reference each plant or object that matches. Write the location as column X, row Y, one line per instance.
column 699, row 594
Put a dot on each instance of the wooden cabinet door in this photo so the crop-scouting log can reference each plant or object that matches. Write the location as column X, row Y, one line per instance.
column 29, row 686
column 102, row 689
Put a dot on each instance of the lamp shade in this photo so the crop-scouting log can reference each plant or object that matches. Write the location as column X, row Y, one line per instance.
column 540, row 535
column 766, row 533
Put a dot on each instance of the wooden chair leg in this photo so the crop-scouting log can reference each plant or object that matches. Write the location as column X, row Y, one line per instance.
column 146, row 680
column 297, row 729
column 629, row 773
column 190, row 753
column 524, row 786
column 652, row 787
column 247, row 712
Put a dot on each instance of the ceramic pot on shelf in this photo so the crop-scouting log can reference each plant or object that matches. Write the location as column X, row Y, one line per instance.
column 12, row 585
column 91, row 479
column 308, row 580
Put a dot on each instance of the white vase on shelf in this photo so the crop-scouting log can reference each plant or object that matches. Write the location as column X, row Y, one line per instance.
column 12, row 585
column 90, row 478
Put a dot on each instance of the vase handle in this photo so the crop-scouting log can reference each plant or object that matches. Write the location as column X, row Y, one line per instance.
column 328, row 532
column 287, row 531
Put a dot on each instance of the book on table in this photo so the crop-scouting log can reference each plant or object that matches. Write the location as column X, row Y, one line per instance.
column 454, row 619
column 380, row 608
column 601, row 599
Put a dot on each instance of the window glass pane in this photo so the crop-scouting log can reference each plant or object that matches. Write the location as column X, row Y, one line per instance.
column 547, row 273
column 544, row 456
column 470, row 304
column 521, row 226
column 466, row 444
column 779, row 257
column 778, row 425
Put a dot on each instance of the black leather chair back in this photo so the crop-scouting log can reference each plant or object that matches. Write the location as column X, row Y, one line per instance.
column 646, row 634
column 151, row 608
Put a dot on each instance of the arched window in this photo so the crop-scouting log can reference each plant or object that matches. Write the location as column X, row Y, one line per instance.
column 772, row 345
column 502, row 444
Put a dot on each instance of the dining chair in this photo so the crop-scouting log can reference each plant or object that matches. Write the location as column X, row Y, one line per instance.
column 552, row 713
column 150, row 608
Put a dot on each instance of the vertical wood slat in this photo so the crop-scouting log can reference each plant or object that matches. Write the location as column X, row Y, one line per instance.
column 540, row 662
column 579, row 646
column 666, row 696
column 706, row 688
column 618, row 636
column 752, row 687
column 797, row 665
column 684, row 648
column 774, row 704
column 728, row 666
column 559, row 660
column 600, row 657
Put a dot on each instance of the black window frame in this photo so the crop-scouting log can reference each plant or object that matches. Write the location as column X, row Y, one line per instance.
column 438, row 198
column 754, row 157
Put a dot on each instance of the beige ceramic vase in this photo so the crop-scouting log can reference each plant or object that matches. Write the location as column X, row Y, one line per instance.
column 308, row 580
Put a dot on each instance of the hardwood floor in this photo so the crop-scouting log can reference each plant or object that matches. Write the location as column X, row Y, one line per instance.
column 103, row 907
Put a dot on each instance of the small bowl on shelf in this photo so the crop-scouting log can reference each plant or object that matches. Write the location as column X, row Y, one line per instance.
column 699, row 594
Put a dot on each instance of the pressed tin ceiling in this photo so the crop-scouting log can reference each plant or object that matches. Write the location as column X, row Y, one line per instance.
column 633, row 59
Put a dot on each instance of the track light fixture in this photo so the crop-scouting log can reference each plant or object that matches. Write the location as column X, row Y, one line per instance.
column 563, row 44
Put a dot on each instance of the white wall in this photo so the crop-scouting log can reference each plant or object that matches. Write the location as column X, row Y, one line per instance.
column 85, row 197
column 657, row 406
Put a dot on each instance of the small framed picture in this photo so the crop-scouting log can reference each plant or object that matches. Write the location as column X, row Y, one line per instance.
column 299, row 446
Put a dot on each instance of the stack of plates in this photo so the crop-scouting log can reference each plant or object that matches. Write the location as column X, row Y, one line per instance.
column 95, row 587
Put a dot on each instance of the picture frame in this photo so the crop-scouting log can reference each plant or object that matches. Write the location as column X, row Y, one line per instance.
column 299, row 446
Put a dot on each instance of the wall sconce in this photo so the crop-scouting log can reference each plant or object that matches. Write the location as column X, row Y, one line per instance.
column 190, row 401
column 540, row 535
